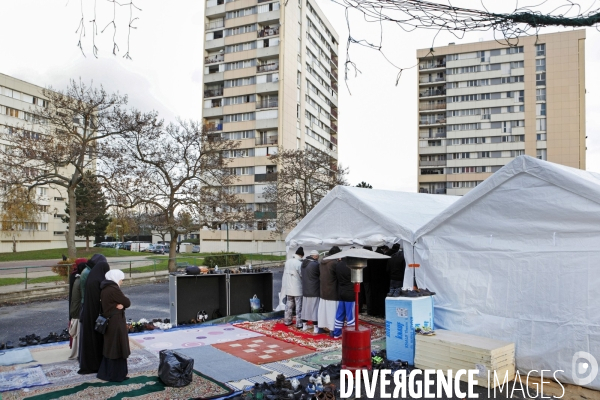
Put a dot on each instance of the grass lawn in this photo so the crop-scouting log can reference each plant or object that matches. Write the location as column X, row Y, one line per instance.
column 57, row 254
column 21, row 281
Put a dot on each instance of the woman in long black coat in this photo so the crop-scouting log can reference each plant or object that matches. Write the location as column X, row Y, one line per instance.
column 91, row 342
column 116, row 341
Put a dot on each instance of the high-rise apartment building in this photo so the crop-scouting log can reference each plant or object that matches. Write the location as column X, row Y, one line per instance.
column 482, row 104
column 270, row 81
column 18, row 101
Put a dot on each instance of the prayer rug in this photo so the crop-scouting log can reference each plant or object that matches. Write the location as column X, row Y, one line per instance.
column 263, row 350
column 325, row 358
column 143, row 386
column 22, row 378
column 65, row 372
column 372, row 320
column 158, row 340
column 320, row 341
column 16, row 356
column 289, row 368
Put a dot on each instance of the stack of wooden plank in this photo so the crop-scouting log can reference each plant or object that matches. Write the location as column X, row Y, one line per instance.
column 447, row 350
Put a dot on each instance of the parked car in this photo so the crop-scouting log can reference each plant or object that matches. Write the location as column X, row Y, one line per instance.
column 150, row 248
column 160, row 249
column 98, row 245
column 196, row 249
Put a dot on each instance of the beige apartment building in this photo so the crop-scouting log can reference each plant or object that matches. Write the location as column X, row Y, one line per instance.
column 18, row 101
column 482, row 104
column 270, row 81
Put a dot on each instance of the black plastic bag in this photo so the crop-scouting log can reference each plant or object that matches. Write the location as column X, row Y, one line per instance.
column 175, row 369
column 192, row 270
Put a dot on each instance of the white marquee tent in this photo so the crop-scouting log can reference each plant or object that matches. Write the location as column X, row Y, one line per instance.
column 365, row 217
column 517, row 258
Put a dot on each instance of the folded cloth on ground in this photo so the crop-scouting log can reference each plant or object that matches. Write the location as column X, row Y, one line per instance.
column 22, row 378
column 16, row 356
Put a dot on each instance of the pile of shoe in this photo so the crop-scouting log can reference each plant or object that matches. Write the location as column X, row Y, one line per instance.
column 8, row 345
column 320, row 386
column 29, row 340
column 201, row 316
column 162, row 324
column 379, row 361
column 398, row 292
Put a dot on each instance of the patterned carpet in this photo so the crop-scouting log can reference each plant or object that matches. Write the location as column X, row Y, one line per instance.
column 325, row 358
column 277, row 329
column 289, row 368
column 158, row 340
column 262, row 350
column 144, row 385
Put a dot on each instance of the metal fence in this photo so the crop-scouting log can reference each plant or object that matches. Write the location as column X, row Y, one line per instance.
column 151, row 265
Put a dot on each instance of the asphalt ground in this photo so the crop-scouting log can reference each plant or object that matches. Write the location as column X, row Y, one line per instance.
column 45, row 316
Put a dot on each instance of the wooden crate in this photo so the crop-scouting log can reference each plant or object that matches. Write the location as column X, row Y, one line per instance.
column 452, row 350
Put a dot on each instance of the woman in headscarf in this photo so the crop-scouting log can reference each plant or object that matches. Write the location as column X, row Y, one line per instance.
column 113, row 367
column 91, row 342
column 72, row 280
column 75, row 312
column 96, row 258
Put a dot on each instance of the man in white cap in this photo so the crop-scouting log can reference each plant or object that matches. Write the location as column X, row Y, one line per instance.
column 311, row 289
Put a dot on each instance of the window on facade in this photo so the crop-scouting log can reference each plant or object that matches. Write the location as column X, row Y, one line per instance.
column 540, row 94
column 540, row 64
column 540, row 124
column 540, row 50
column 542, row 154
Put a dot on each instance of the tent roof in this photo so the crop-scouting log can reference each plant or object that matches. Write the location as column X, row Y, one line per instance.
column 579, row 182
column 351, row 215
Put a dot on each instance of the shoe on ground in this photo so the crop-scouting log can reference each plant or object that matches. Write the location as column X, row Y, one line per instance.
column 305, row 326
column 313, row 377
column 311, row 389
column 295, row 383
column 325, row 378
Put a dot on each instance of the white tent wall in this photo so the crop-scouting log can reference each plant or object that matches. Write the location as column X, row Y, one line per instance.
column 517, row 259
column 350, row 216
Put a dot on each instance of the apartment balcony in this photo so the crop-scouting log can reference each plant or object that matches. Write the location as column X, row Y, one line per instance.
column 333, row 61
column 432, row 107
column 268, row 177
column 267, row 103
column 432, row 66
column 437, row 121
column 214, row 59
column 215, row 24
column 265, row 214
column 334, row 127
column 213, row 93
column 215, row 7
column 267, row 67
column 432, row 135
column 433, row 93
column 431, row 81
column 268, row 32
column 266, row 141
column 334, row 112
column 214, row 44
column 334, row 86
column 333, row 140
column 213, row 77
column 213, row 137
column 271, row 16
column 213, row 127
column 434, row 163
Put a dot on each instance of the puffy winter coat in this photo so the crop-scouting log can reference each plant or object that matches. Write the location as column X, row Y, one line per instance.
column 291, row 282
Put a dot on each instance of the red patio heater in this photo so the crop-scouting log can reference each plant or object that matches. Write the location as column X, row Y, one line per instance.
column 356, row 341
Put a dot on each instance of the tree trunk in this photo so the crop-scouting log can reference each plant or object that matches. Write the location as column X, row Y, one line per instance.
column 172, row 251
column 72, row 249
column 14, row 244
column 87, row 243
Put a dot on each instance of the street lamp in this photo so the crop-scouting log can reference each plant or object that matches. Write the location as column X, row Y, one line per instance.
column 117, row 245
column 356, row 343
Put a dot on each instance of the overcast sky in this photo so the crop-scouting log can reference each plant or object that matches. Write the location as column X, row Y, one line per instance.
column 378, row 121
